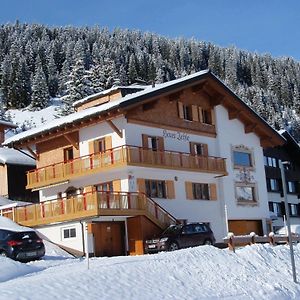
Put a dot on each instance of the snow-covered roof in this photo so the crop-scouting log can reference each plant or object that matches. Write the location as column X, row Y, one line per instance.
column 8, row 124
column 89, row 112
column 129, row 99
column 8, row 224
column 15, row 157
column 107, row 92
column 7, row 203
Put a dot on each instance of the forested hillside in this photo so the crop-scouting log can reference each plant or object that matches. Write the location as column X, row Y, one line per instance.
column 39, row 62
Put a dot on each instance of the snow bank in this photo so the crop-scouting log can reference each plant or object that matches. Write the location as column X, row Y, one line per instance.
column 11, row 269
column 256, row 272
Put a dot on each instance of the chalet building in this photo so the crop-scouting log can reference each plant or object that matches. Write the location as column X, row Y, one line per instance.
column 13, row 168
column 133, row 160
column 290, row 153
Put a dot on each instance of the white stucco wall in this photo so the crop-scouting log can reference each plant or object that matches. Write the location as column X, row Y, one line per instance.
column 178, row 143
column 54, row 233
column 231, row 133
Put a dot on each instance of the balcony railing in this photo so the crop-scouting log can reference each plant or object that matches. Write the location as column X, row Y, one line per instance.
column 121, row 156
column 91, row 204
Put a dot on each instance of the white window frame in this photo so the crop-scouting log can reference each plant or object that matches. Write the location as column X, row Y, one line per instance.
column 253, row 187
column 69, row 229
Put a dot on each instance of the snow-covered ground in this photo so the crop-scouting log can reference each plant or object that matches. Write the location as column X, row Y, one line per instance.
column 254, row 272
column 26, row 119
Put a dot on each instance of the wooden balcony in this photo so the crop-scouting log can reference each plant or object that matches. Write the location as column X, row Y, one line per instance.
column 122, row 156
column 88, row 205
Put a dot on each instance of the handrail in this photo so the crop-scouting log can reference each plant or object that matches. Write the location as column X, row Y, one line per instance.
column 121, row 147
column 90, row 204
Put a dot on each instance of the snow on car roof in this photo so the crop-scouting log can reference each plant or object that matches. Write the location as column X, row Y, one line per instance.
column 8, row 224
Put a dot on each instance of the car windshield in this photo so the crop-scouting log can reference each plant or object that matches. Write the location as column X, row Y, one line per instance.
column 172, row 229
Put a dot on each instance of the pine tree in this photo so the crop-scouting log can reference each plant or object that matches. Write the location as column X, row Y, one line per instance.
column 52, row 77
column 40, row 94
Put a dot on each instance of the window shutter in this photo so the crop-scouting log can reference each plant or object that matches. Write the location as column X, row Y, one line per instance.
column 161, row 146
column 180, row 110
column 170, row 189
column 145, row 141
column 192, row 148
column 212, row 191
column 213, row 117
column 205, row 149
column 96, row 146
column 108, row 143
column 200, row 114
column 91, row 147
column 189, row 190
column 117, row 185
column 141, row 185
column 195, row 113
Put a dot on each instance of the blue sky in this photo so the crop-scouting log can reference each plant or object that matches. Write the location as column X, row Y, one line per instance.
column 265, row 26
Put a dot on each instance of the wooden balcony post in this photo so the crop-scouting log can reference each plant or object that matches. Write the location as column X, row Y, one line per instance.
column 43, row 210
column 129, row 200
column 84, row 201
column 231, row 245
column 62, row 206
column 107, row 200
column 111, row 157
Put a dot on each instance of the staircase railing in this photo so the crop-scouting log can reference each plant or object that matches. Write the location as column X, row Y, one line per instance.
column 91, row 204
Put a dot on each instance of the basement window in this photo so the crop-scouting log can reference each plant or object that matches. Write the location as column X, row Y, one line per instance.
column 69, row 233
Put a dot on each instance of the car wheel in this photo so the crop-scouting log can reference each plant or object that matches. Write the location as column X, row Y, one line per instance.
column 207, row 242
column 3, row 254
column 173, row 246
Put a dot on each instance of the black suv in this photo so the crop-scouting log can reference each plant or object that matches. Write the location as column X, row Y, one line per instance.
column 181, row 236
column 21, row 245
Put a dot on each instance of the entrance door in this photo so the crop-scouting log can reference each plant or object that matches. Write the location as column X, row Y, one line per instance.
column 109, row 238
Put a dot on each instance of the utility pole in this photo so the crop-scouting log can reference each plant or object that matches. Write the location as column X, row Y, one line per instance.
column 287, row 213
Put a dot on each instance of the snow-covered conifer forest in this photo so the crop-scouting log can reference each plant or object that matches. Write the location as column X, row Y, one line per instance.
column 39, row 62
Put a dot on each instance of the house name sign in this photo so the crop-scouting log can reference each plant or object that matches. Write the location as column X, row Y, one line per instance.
column 176, row 135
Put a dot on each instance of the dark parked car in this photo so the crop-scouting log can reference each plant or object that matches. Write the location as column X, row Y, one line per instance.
column 181, row 236
column 21, row 245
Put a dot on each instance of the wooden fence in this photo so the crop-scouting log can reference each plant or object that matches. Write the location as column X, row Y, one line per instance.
column 242, row 240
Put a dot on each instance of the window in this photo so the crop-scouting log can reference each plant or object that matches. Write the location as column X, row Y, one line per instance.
column 273, row 184
column 270, row 161
column 275, row 207
column 199, row 149
column 69, row 233
column 153, row 143
column 291, row 186
column 187, row 112
column 104, row 187
column 100, row 146
column 200, row 191
column 68, row 154
column 155, row 188
column 207, row 116
column 242, row 159
column 245, row 193
column 293, row 209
